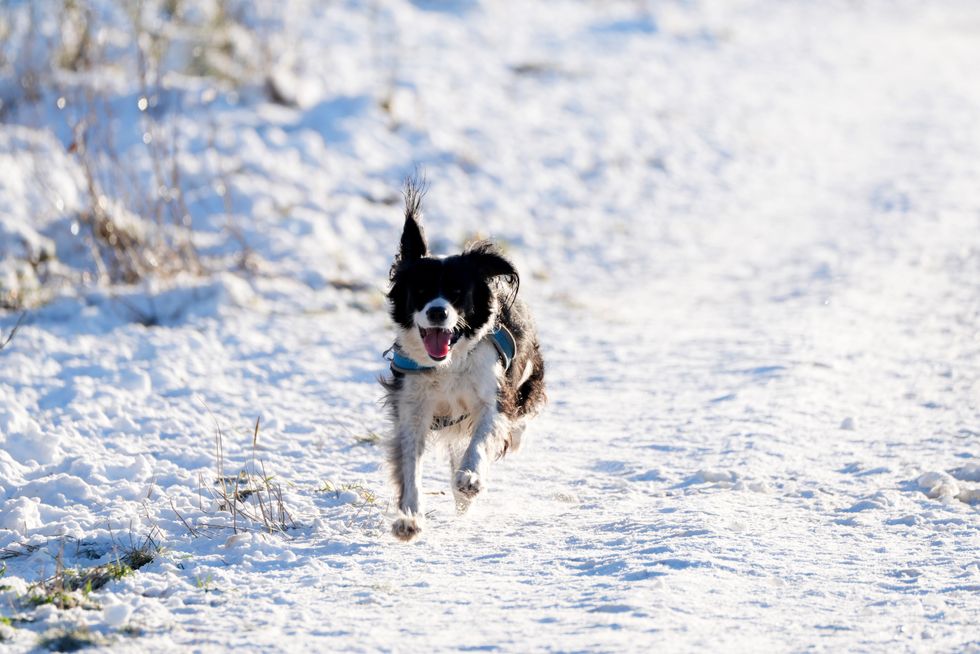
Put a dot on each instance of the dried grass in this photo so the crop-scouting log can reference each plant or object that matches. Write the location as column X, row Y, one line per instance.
column 251, row 498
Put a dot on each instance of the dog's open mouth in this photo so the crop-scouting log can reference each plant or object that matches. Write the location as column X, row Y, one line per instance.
column 437, row 341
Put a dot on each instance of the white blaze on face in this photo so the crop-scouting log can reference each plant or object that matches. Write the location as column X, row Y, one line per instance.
column 422, row 316
column 437, row 332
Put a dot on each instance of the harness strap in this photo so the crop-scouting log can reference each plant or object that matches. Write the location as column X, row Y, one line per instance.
column 506, row 345
column 401, row 363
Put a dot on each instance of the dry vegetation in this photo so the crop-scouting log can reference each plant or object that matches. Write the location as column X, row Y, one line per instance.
column 109, row 80
column 248, row 501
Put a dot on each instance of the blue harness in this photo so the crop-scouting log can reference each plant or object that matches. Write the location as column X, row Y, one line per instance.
column 501, row 338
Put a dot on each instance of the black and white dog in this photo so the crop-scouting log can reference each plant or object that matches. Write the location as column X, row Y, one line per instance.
column 466, row 369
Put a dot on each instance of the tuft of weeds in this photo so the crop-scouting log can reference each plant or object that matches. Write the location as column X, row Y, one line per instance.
column 363, row 435
column 61, row 599
column 131, row 630
column 366, row 495
column 70, row 587
column 205, row 583
column 6, row 628
column 137, row 559
column 352, row 285
column 135, row 226
column 94, row 578
column 70, row 640
column 252, row 497
column 133, row 215
column 366, row 499
column 128, row 560
column 370, row 438
column 59, row 589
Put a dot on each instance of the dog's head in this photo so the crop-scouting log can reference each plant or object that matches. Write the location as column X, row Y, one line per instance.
column 444, row 305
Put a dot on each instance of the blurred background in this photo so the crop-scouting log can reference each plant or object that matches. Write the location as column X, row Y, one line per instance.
column 142, row 141
column 151, row 141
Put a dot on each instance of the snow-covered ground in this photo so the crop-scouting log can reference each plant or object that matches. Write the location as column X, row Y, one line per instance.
column 750, row 232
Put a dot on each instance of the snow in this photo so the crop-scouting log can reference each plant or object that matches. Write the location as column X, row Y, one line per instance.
column 117, row 614
column 750, row 233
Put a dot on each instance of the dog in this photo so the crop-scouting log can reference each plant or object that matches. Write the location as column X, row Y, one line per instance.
column 466, row 368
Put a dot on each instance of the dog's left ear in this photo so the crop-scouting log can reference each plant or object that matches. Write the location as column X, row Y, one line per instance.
column 490, row 263
column 494, row 265
column 413, row 245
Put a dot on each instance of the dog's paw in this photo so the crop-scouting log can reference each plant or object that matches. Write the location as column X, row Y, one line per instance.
column 406, row 527
column 462, row 502
column 468, row 484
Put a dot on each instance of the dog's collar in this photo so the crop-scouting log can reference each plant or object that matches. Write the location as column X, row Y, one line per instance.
column 501, row 338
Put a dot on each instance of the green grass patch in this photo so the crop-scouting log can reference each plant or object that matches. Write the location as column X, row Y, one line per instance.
column 70, row 587
column 62, row 599
column 205, row 583
column 98, row 576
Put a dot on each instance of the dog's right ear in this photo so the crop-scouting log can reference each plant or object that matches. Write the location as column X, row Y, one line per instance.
column 413, row 244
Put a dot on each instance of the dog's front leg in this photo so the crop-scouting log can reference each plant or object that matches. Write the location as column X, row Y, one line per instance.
column 407, row 448
column 487, row 444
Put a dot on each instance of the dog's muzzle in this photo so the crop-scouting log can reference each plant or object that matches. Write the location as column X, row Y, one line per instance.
column 438, row 341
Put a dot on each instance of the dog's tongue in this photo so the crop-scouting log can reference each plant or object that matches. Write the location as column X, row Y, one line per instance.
column 437, row 342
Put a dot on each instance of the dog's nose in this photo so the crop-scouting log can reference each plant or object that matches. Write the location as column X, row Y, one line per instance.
column 437, row 314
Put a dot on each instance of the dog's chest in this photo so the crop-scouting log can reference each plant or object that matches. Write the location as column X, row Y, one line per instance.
column 463, row 389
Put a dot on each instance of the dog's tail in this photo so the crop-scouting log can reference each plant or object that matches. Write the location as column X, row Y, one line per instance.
column 531, row 395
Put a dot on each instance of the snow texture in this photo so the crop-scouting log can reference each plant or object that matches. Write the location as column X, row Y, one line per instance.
column 750, row 233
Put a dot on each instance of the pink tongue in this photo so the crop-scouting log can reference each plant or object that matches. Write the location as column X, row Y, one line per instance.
column 437, row 342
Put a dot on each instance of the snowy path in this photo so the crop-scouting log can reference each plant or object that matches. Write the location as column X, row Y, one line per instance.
column 755, row 265
column 699, row 494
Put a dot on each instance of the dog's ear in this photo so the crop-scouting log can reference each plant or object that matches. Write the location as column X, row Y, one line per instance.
column 413, row 240
column 491, row 263
column 413, row 245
